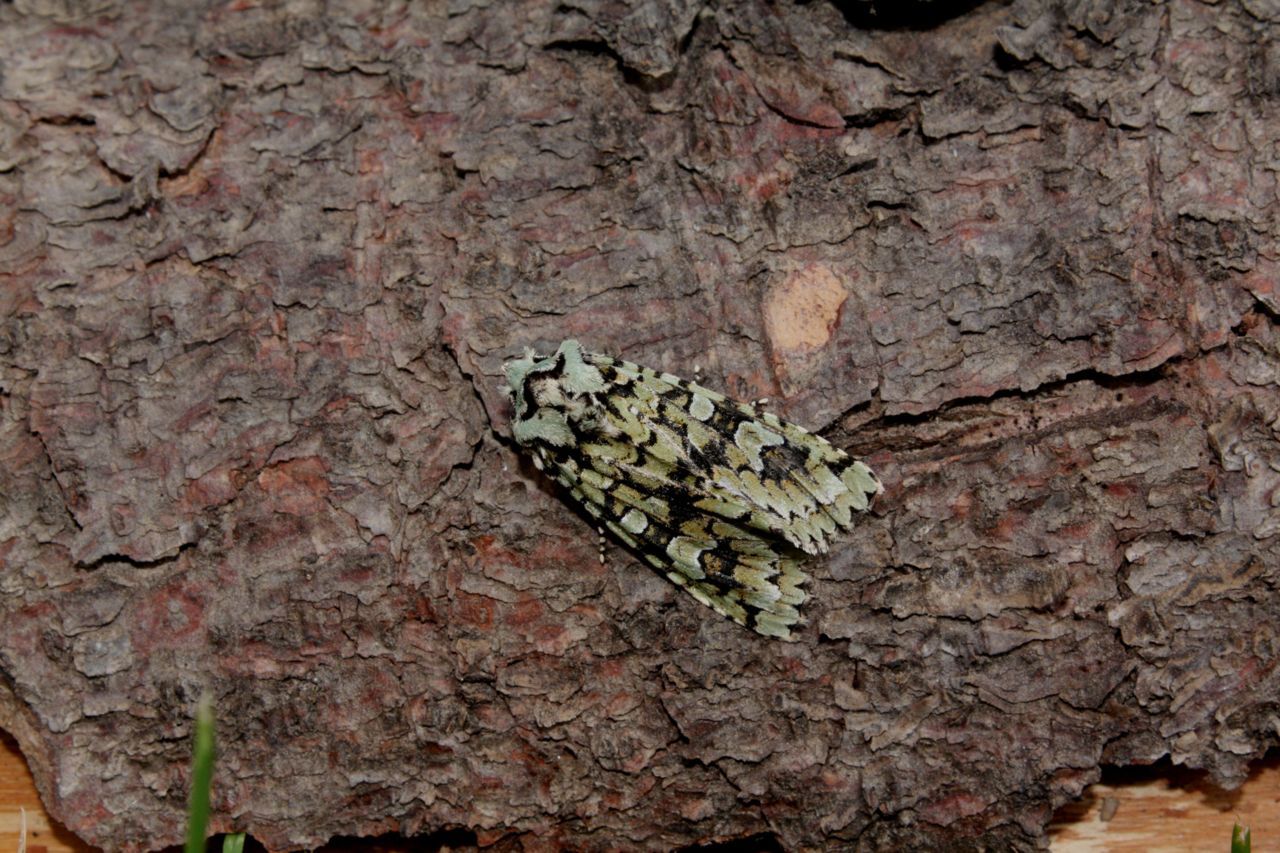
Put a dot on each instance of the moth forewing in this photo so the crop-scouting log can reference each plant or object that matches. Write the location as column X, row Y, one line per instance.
column 719, row 497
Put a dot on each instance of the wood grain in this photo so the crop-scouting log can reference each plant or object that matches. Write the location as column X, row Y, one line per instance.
column 1158, row 808
column 1165, row 808
column 18, row 793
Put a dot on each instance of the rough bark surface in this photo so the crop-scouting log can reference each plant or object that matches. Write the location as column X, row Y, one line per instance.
column 261, row 265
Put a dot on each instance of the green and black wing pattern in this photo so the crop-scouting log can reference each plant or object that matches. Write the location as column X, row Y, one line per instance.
column 723, row 499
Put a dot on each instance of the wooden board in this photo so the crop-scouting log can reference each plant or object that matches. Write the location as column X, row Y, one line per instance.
column 1151, row 809
column 1166, row 808
column 18, row 792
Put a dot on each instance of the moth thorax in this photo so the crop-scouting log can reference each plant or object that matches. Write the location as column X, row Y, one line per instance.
column 548, row 392
column 581, row 410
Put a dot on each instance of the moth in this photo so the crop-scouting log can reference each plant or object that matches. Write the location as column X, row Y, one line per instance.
column 723, row 499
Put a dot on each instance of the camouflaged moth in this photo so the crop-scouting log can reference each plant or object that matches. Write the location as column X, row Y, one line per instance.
column 722, row 498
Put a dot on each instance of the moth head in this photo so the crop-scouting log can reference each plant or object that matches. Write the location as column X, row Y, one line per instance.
column 553, row 395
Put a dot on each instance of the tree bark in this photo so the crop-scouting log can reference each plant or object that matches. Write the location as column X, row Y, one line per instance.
column 262, row 264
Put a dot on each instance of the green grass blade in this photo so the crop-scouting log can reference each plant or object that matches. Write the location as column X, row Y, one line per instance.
column 201, row 776
column 1241, row 839
column 233, row 842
